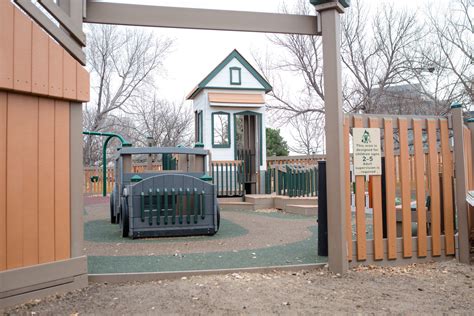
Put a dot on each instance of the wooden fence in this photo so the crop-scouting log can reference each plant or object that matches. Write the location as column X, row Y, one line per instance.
column 306, row 160
column 423, row 225
column 93, row 177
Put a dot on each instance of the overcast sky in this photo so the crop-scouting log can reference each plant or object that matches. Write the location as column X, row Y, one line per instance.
column 197, row 52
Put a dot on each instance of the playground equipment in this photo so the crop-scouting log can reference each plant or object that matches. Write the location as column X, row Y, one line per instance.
column 178, row 200
column 104, row 155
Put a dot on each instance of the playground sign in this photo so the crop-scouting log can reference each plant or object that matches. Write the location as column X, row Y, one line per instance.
column 366, row 145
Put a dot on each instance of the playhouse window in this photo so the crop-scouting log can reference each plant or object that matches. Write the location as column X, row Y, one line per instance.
column 198, row 127
column 220, row 130
column 235, row 76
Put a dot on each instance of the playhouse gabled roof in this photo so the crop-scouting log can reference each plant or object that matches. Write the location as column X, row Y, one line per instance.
column 234, row 54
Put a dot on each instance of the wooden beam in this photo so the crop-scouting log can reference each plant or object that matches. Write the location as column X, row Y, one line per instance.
column 205, row 19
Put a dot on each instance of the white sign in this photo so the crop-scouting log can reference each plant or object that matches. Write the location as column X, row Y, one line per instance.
column 367, row 157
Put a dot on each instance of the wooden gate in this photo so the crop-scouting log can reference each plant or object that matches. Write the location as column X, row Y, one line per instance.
column 411, row 209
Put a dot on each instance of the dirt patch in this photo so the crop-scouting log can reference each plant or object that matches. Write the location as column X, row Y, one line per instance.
column 425, row 288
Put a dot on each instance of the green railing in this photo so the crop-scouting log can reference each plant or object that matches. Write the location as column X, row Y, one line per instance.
column 177, row 205
column 229, row 178
column 248, row 157
column 292, row 180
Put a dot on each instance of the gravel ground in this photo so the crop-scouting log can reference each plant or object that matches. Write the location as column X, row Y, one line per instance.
column 435, row 288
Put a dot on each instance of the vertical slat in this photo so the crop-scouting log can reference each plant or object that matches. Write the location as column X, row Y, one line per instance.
column 377, row 206
column 46, row 180
column 62, row 181
column 158, row 207
column 347, row 178
column 447, row 188
column 55, row 69
column 22, row 52
column 203, row 204
column 30, row 181
column 420, row 188
column 165, row 199
column 188, row 206
column 6, row 48
column 173, row 205
column 69, row 76
column 405, row 188
column 390, row 184
column 40, row 59
column 22, row 188
column 434, row 189
column 15, row 172
column 196, row 206
column 181, row 205
column 3, row 178
column 360, row 209
column 82, row 83
column 150, row 206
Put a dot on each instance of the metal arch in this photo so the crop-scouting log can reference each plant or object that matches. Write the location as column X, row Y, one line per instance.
column 104, row 153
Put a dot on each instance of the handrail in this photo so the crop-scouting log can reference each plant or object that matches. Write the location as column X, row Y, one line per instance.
column 104, row 153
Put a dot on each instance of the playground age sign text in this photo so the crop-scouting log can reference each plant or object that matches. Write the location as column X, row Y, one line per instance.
column 367, row 158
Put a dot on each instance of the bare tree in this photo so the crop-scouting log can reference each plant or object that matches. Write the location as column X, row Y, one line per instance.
column 307, row 133
column 452, row 38
column 167, row 124
column 376, row 52
column 122, row 63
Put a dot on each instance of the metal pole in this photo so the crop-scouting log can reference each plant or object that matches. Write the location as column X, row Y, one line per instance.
column 461, row 183
column 104, row 154
column 331, row 35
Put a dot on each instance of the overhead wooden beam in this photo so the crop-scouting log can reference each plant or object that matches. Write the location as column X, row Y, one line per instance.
column 205, row 19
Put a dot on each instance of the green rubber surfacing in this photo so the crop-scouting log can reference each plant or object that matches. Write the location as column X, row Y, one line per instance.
column 302, row 252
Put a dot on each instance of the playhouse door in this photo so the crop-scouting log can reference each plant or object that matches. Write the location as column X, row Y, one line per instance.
column 246, row 148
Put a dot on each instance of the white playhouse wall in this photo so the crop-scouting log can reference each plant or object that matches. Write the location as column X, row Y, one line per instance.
column 201, row 104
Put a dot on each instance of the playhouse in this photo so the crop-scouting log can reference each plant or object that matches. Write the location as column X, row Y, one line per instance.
column 229, row 107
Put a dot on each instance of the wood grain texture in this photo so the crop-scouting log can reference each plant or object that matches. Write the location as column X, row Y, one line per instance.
column 419, row 162
column 243, row 98
column 347, row 179
column 83, row 93
column 55, row 69
column 62, row 181
column 405, row 188
column 40, row 61
column 3, row 181
column 46, row 176
column 360, row 209
column 6, row 44
column 15, row 176
column 29, row 158
column 434, row 189
column 69, row 77
column 377, row 207
column 22, row 52
column 29, row 64
column 448, row 172
column 390, row 186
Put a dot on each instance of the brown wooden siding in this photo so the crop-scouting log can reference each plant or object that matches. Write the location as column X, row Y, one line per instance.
column 34, row 180
column 32, row 62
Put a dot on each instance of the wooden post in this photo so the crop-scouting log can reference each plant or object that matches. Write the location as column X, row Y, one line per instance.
column 461, row 181
column 470, row 124
column 331, row 34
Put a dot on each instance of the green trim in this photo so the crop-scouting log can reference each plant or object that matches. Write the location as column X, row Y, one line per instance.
column 201, row 127
column 235, row 54
column 228, row 130
column 345, row 3
column 471, row 120
column 239, row 82
column 456, row 105
column 260, row 123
